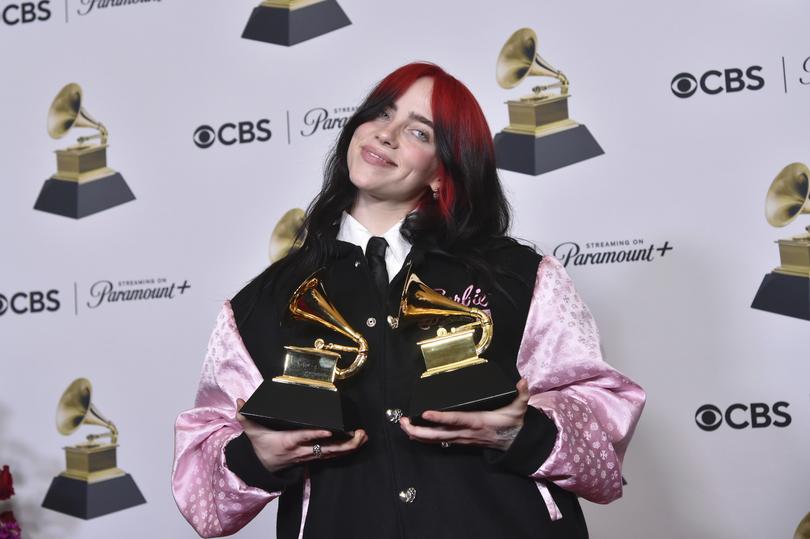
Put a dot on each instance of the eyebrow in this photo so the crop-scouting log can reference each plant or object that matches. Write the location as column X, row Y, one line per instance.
column 417, row 117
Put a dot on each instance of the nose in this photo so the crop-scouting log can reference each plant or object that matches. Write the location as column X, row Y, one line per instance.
column 387, row 137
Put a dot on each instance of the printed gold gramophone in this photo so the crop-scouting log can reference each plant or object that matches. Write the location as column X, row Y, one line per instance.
column 286, row 236
column 92, row 484
column 786, row 290
column 456, row 378
column 305, row 396
column 83, row 183
column 287, row 22
column 540, row 136
column 803, row 529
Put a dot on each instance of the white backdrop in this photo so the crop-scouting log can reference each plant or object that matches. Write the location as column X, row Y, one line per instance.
column 690, row 173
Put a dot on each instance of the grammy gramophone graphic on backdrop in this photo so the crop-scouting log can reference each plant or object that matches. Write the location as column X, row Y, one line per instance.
column 83, row 183
column 287, row 22
column 92, row 484
column 540, row 136
column 285, row 235
column 786, row 290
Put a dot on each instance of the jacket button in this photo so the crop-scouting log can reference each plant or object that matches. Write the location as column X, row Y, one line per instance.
column 408, row 495
column 356, row 263
column 371, row 322
column 393, row 321
column 393, row 415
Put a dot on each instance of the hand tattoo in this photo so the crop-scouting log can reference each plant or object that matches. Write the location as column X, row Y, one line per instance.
column 507, row 435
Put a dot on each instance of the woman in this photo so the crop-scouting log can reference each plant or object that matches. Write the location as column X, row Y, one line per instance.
column 412, row 178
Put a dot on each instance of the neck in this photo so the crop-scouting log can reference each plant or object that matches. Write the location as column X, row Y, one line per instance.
column 378, row 216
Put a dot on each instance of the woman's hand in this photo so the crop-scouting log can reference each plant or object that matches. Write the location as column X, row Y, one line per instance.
column 279, row 449
column 496, row 429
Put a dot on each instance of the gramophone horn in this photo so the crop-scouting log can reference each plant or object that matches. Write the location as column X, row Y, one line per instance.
column 788, row 195
column 285, row 236
column 519, row 59
column 66, row 112
column 419, row 301
column 75, row 409
column 309, row 302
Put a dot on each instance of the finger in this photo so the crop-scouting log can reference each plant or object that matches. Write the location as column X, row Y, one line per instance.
column 431, row 434
column 305, row 437
column 521, row 401
column 239, row 404
column 360, row 437
column 468, row 420
column 333, row 450
column 523, row 391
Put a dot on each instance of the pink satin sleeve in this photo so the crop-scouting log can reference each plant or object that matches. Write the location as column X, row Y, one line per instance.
column 594, row 407
column 211, row 497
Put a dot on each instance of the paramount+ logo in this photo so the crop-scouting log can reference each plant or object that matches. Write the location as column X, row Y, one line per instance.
column 35, row 301
column 231, row 133
column 756, row 415
column 25, row 12
column 717, row 81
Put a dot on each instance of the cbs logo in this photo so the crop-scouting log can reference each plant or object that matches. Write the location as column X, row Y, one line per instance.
column 26, row 12
column 30, row 302
column 714, row 82
column 757, row 415
column 229, row 134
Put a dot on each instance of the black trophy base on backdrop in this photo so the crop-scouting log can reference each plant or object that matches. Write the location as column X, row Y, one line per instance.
column 284, row 26
column 784, row 294
column 528, row 154
column 77, row 200
column 480, row 387
column 281, row 406
column 89, row 500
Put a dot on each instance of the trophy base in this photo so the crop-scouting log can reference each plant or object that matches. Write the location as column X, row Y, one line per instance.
column 528, row 154
column 480, row 387
column 282, row 406
column 85, row 500
column 788, row 295
column 284, row 26
column 79, row 199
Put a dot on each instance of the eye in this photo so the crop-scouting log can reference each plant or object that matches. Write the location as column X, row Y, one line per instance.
column 421, row 135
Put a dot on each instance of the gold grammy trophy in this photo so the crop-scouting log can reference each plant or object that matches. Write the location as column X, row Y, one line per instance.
column 83, row 183
column 287, row 22
column 92, row 484
column 786, row 290
column 540, row 136
column 456, row 378
column 305, row 396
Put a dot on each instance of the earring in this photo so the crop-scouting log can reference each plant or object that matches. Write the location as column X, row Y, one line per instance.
column 436, row 194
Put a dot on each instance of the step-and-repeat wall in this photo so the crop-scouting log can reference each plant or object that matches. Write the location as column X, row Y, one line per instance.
column 150, row 147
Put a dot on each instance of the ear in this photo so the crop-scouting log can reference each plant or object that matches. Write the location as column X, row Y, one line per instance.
column 436, row 184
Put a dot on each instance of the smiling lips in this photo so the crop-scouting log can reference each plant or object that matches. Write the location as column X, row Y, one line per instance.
column 375, row 157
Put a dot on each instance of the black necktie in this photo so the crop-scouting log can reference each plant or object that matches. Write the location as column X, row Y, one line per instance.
column 375, row 254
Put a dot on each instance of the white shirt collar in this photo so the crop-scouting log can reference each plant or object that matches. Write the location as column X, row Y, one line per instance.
column 352, row 231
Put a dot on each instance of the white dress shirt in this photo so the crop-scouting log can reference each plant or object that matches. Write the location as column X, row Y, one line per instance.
column 352, row 231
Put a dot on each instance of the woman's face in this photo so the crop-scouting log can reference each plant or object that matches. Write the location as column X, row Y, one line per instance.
column 393, row 157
